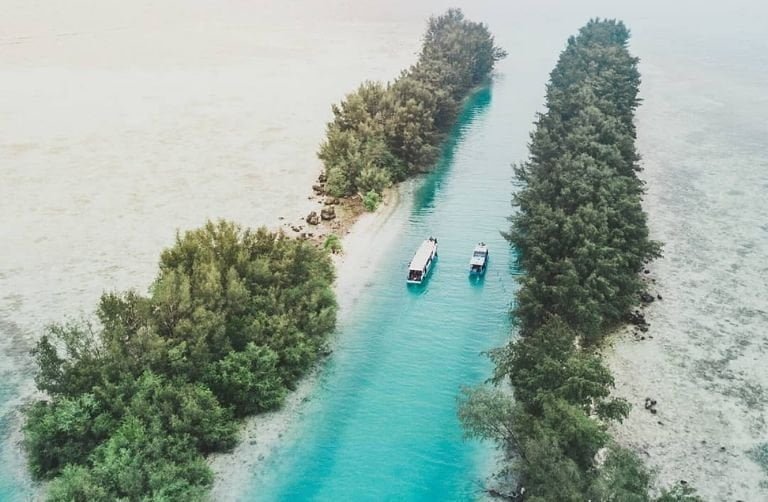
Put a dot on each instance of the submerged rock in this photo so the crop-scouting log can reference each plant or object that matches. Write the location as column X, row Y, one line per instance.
column 650, row 405
column 646, row 297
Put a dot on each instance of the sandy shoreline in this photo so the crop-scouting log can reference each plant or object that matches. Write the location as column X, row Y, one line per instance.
column 365, row 243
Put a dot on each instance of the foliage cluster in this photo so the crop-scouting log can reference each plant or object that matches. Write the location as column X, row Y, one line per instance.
column 383, row 133
column 232, row 320
column 582, row 239
column 332, row 243
column 371, row 200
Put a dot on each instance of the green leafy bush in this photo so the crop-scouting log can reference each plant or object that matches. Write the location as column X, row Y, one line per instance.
column 248, row 380
column 679, row 493
column 64, row 432
column 371, row 200
column 373, row 179
column 332, row 243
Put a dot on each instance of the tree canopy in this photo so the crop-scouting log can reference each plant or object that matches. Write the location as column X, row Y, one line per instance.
column 383, row 133
column 581, row 237
column 137, row 399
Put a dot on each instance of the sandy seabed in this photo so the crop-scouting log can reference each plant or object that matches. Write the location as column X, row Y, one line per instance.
column 704, row 357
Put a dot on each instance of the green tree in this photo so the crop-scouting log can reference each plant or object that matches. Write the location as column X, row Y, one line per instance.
column 233, row 319
column 382, row 134
column 77, row 484
column 248, row 380
column 548, row 365
column 64, row 432
column 622, row 478
column 141, row 461
column 581, row 238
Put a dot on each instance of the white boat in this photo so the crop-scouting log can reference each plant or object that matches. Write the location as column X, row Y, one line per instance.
column 422, row 261
column 479, row 261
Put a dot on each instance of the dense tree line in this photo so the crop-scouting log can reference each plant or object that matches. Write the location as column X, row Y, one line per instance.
column 383, row 133
column 136, row 400
column 582, row 239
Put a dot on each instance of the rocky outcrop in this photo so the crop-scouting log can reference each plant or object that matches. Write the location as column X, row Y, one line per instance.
column 328, row 213
column 312, row 218
column 637, row 318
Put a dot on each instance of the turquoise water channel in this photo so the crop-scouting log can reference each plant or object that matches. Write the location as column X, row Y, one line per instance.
column 383, row 424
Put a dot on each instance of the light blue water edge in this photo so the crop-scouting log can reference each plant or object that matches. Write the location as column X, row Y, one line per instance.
column 382, row 424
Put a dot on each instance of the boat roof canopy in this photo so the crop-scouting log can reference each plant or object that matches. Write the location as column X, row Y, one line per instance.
column 423, row 254
column 477, row 260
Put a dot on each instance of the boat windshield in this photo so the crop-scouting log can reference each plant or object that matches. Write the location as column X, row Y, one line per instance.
column 479, row 254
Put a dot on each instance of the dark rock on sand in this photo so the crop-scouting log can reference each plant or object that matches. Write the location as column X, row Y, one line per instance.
column 637, row 318
column 312, row 218
column 328, row 213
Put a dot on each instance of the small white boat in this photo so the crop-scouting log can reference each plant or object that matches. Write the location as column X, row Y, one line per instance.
column 422, row 261
column 479, row 261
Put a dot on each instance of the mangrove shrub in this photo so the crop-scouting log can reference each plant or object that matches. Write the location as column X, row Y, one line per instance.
column 136, row 400
column 582, row 239
column 383, row 133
